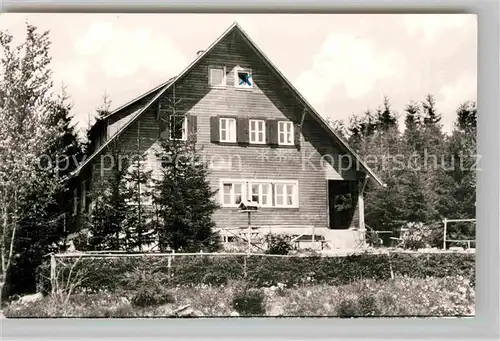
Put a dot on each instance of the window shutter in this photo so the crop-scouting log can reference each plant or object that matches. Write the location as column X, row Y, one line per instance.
column 242, row 130
column 296, row 137
column 272, row 132
column 192, row 127
column 214, row 129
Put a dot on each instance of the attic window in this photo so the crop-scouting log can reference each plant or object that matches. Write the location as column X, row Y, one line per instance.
column 217, row 76
column 243, row 78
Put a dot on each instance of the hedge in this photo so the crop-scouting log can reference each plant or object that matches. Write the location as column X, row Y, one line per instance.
column 111, row 274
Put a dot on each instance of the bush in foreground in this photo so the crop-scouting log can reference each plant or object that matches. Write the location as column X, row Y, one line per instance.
column 403, row 296
column 278, row 244
column 258, row 271
column 249, row 302
column 150, row 296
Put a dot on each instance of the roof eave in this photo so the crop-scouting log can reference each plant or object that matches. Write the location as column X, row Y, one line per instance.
column 311, row 108
column 167, row 85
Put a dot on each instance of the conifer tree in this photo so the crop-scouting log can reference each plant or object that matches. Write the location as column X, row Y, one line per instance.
column 26, row 135
column 139, row 230
column 460, row 179
column 431, row 115
column 44, row 219
column 386, row 117
column 107, row 218
column 413, row 123
column 184, row 199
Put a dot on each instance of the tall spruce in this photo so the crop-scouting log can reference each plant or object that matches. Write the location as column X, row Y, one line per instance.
column 431, row 115
column 417, row 206
column 107, row 218
column 184, row 199
column 413, row 123
column 386, row 117
column 96, row 124
column 43, row 223
column 461, row 175
column 140, row 229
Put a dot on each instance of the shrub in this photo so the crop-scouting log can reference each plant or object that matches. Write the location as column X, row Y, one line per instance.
column 417, row 236
column 42, row 275
column 249, row 302
column 278, row 244
column 130, row 273
column 150, row 296
column 347, row 308
column 368, row 305
column 364, row 305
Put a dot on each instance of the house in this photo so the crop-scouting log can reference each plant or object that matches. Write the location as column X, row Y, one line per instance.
column 263, row 142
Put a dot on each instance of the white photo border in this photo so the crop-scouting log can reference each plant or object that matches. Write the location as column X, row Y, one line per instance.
column 484, row 325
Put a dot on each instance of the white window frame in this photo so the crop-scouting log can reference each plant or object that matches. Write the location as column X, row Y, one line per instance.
column 232, row 194
column 247, row 191
column 260, row 193
column 184, row 127
column 83, row 201
column 230, row 136
column 294, row 194
column 237, row 79
column 288, row 129
column 224, row 77
column 256, row 131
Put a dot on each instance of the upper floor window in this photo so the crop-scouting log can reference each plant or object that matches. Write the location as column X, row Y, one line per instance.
column 227, row 128
column 243, row 78
column 217, row 76
column 285, row 133
column 257, row 131
column 178, row 127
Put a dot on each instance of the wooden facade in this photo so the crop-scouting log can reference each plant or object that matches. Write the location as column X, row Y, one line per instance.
column 304, row 167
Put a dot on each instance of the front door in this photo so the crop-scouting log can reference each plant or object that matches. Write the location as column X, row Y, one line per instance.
column 342, row 201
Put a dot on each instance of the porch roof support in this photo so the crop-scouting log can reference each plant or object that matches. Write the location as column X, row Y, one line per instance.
column 304, row 112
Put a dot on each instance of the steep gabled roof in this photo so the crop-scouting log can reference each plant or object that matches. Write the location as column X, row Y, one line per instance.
column 164, row 87
column 137, row 99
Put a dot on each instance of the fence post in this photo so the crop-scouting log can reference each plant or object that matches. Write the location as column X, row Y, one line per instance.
column 444, row 234
column 245, row 265
column 171, row 273
column 169, row 265
column 53, row 273
column 390, row 265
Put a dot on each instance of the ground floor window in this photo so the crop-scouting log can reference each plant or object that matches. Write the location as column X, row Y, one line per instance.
column 285, row 195
column 232, row 193
column 261, row 193
column 268, row 193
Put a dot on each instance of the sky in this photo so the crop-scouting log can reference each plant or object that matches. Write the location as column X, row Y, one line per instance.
column 342, row 63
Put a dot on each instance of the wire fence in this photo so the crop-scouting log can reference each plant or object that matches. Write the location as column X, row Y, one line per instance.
column 108, row 270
